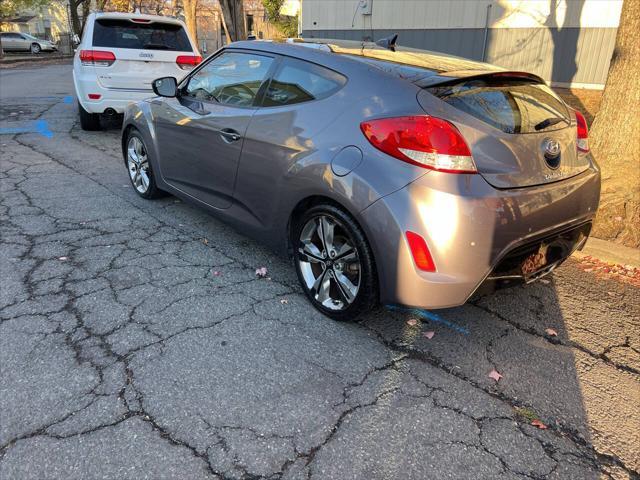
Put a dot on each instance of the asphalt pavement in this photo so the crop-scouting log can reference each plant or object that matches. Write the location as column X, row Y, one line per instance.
column 137, row 342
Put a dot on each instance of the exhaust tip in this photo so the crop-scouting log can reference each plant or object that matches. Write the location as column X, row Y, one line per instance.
column 110, row 111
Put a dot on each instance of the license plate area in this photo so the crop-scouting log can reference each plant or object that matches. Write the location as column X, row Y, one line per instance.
column 540, row 257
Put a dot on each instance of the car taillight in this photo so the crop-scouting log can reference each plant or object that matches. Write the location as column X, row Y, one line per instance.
column 97, row 58
column 187, row 62
column 426, row 141
column 420, row 252
column 582, row 141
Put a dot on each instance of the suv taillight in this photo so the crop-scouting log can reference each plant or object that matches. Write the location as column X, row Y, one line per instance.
column 187, row 62
column 97, row 58
column 426, row 141
column 582, row 141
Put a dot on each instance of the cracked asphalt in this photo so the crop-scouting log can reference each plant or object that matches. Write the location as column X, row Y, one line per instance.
column 122, row 355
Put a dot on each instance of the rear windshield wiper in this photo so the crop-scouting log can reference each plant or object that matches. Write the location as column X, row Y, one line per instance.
column 156, row 46
column 548, row 122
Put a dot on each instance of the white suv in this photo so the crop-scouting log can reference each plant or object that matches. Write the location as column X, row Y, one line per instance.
column 121, row 54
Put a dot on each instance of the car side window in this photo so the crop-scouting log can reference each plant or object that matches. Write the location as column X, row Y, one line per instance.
column 298, row 81
column 232, row 78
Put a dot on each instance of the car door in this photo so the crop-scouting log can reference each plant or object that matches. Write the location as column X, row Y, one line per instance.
column 24, row 43
column 200, row 133
column 301, row 101
column 10, row 41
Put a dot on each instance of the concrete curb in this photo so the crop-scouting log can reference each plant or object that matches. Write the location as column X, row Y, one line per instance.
column 610, row 252
column 9, row 60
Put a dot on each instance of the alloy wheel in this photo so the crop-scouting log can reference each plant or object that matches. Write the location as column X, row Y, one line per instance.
column 329, row 262
column 138, row 164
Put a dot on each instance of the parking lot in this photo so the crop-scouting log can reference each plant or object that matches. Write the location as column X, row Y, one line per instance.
column 137, row 342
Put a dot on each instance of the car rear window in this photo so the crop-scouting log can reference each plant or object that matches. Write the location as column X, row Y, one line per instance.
column 123, row 33
column 514, row 106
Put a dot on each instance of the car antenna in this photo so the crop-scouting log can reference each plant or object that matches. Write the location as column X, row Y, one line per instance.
column 388, row 42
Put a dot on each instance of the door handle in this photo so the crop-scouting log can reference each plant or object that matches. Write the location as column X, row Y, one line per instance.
column 230, row 135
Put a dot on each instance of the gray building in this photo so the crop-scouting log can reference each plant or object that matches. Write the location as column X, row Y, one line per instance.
column 567, row 42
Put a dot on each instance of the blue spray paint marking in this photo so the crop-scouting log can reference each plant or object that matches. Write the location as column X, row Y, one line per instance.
column 426, row 314
column 39, row 126
column 65, row 99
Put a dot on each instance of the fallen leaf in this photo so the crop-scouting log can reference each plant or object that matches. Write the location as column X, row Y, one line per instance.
column 216, row 273
column 284, row 301
column 611, row 294
column 205, row 241
column 495, row 375
column 261, row 272
column 428, row 334
column 412, row 322
column 63, row 259
column 539, row 424
column 551, row 332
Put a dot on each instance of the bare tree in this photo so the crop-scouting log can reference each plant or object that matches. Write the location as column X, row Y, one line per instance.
column 233, row 15
column 75, row 18
column 615, row 136
column 189, row 7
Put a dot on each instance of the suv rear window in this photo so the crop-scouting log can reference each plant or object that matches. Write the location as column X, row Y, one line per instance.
column 122, row 33
column 516, row 106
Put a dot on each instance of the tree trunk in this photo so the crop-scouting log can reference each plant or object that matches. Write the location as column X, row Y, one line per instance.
column 86, row 10
column 615, row 136
column 226, row 30
column 189, row 7
column 75, row 20
column 233, row 13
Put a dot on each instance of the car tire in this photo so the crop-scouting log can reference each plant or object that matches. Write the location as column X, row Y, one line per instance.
column 335, row 264
column 35, row 48
column 88, row 121
column 136, row 159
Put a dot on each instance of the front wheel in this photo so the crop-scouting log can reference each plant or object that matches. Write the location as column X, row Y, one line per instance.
column 139, row 167
column 334, row 263
column 35, row 48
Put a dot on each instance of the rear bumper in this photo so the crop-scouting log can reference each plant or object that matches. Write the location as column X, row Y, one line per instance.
column 116, row 99
column 470, row 228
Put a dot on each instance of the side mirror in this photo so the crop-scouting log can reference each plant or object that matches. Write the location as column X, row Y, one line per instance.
column 165, row 87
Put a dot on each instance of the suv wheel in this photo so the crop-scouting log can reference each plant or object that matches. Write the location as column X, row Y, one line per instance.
column 334, row 263
column 139, row 167
column 88, row 121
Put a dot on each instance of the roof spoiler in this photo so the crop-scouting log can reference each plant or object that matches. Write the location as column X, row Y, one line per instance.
column 451, row 78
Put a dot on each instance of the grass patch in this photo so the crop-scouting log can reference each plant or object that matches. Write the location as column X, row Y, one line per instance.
column 526, row 413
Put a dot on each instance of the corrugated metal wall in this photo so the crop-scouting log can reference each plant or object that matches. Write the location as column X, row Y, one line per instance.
column 563, row 41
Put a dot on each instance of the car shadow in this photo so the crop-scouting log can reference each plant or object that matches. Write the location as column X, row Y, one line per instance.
column 542, row 340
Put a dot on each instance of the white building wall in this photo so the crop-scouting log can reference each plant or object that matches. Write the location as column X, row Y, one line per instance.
column 444, row 14
column 564, row 41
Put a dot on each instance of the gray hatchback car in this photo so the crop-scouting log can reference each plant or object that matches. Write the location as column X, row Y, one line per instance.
column 390, row 174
